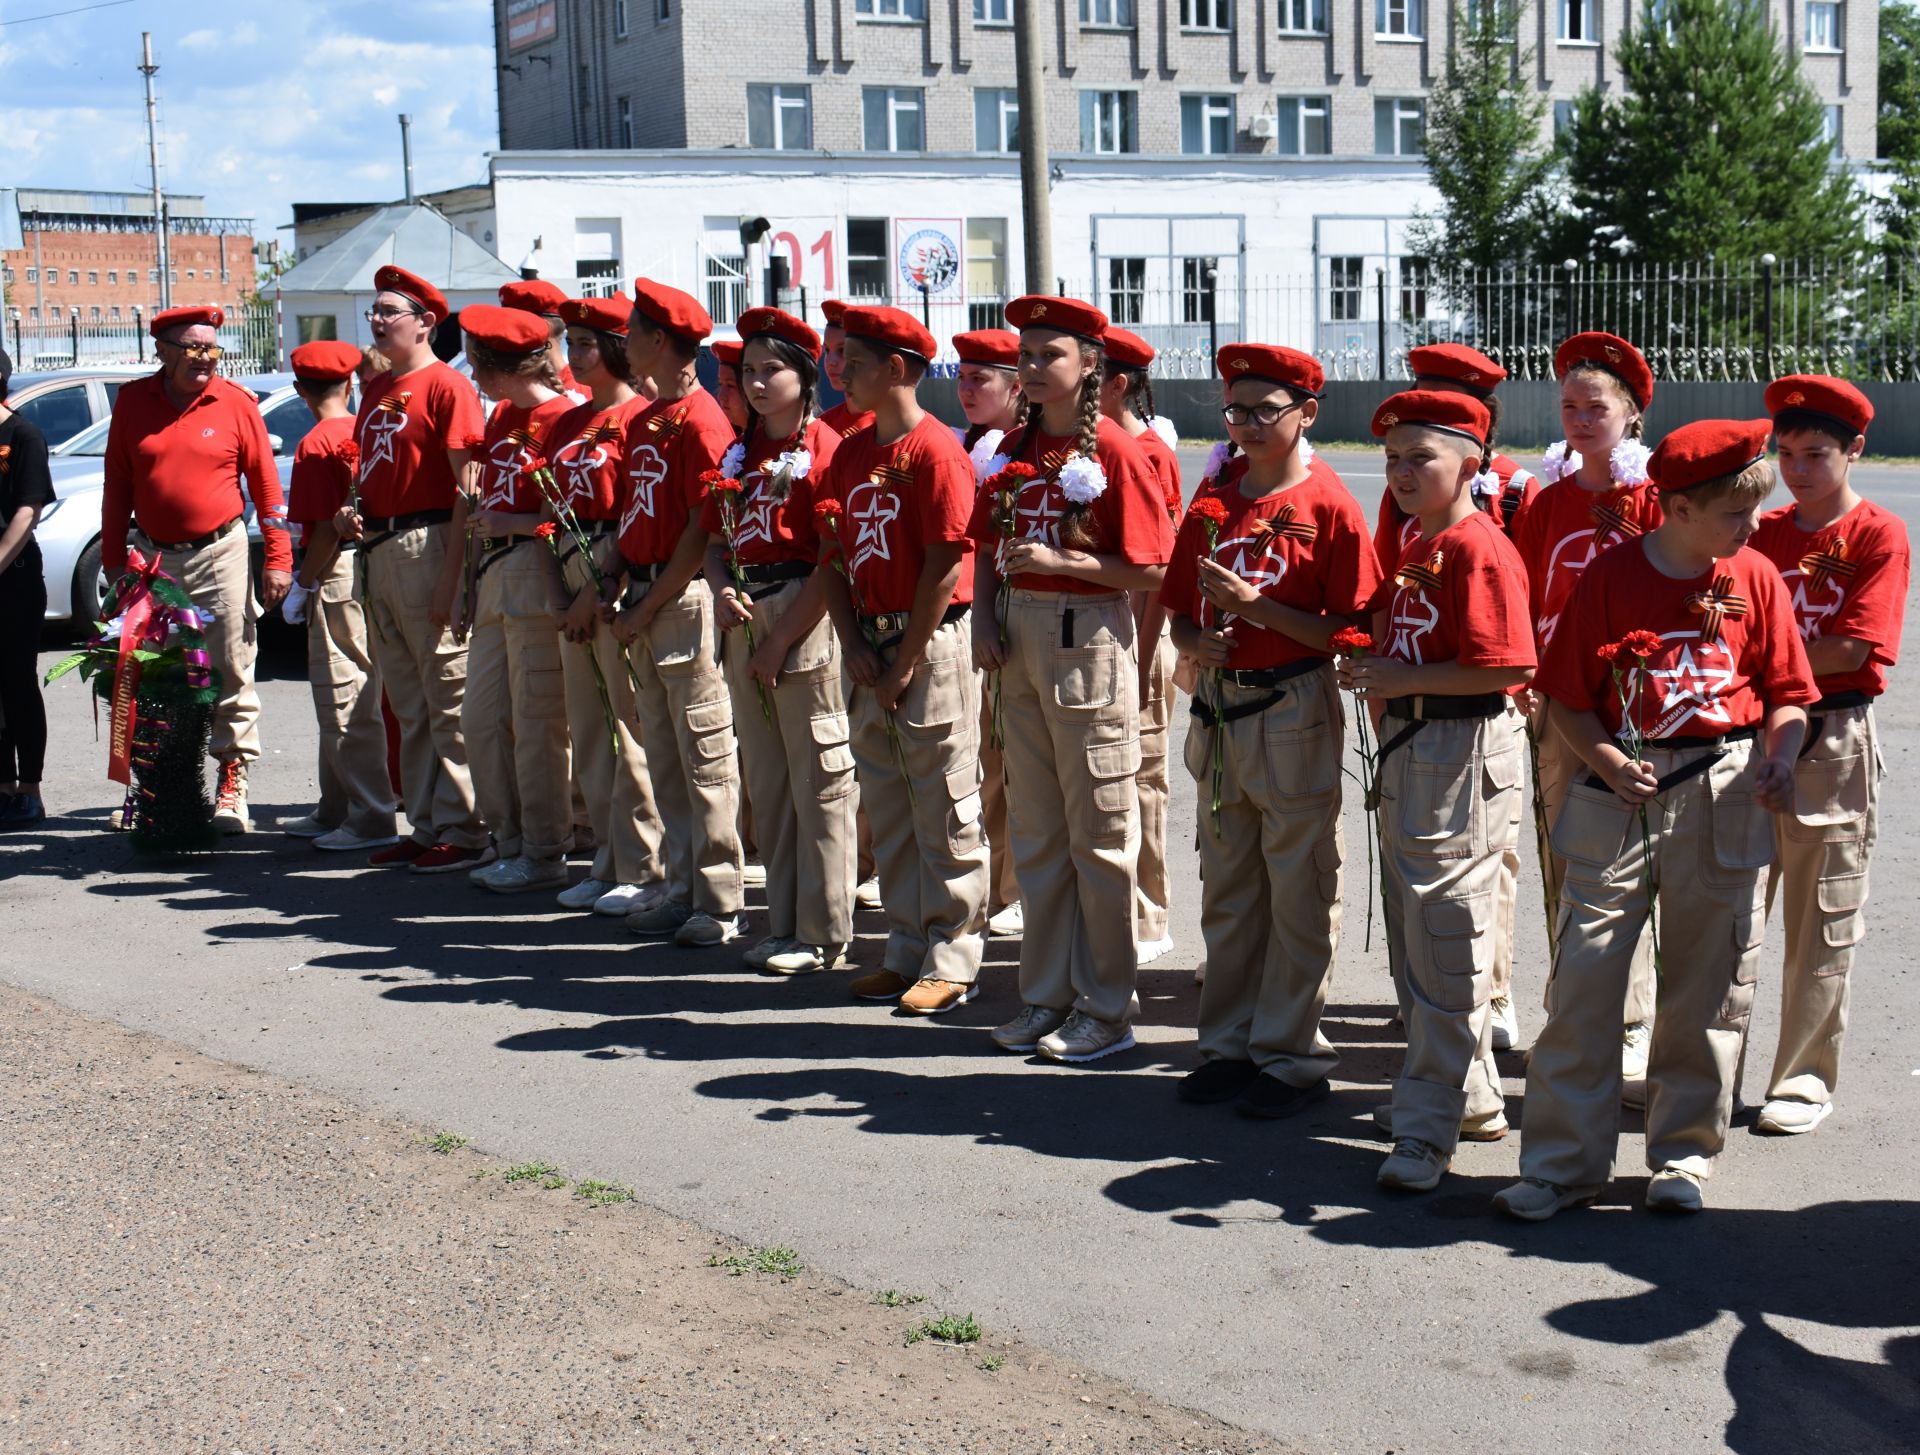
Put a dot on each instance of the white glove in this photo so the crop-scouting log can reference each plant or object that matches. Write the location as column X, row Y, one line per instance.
column 294, row 606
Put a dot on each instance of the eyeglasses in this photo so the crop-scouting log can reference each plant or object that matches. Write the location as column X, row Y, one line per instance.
column 1265, row 415
column 204, row 353
column 379, row 312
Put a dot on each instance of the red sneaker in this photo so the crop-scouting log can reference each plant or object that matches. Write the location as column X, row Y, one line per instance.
column 404, row 852
column 445, row 858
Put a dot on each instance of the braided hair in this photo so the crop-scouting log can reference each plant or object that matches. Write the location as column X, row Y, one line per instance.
column 802, row 363
column 1021, row 411
column 1076, row 521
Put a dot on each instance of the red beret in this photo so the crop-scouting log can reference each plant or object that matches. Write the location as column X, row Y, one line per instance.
column 1838, row 400
column 1706, row 450
column 1066, row 315
column 671, row 309
column 1612, row 353
column 990, row 348
column 1269, row 361
column 185, row 318
column 1128, row 350
column 533, row 295
column 728, row 351
column 325, row 362
column 1440, row 409
column 389, row 279
column 779, row 324
column 1458, row 363
column 606, row 315
column 506, row 329
column 891, row 328
column 834, row 309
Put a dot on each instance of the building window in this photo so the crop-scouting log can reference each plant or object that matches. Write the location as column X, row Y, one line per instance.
column 153, row 275
column 1343, row 289
column 623, row 108
column 1505, row 16
column 189, row 276
column 996, row 120
column 1562, row 118
column 893, row 116
column 867, row 257
column 93, row 314
column 73, row 277
column 780, row 118
column 1199, row 284
column 115, row 313
column 1126, row 289
column 1404, row 18
column 1830, row 128
column 113, row 277
column 1205, row 14
column 619, row 19
column 1113, row 14
column 1399, row 126
column 1416, row 277
column 664, row 11
column 1303, row 17
column 1206, row 125
column 93, row 277
column 1823, row 25
column 1108, row 122
column 1305, row 126
column 993, row 12
column 34, row 314
column 1577, row 21
column 726, row 286
column 891, row 10
column 986, row 271
column 33, row 275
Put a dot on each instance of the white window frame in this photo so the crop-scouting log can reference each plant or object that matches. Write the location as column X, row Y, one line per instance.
column 1124, row 121
column 1398, row 20
column 619, row 19
column 900, row 99
column 993, row 12
column 1824, row 36
column 785, row 98
column 1127, row 290
column 1506, row 11
column 1562, row 115
column 1107, row 14
column 1303, row 17
column 1303, row 108
column 891, row 12
column 1006, row 113
column 1346, row 289
column 1833, row 128
column 1211, row 16
column 1405, row 109
column 1211, row 106
column 871, row 262
column 1582, row 16
column 725, row 280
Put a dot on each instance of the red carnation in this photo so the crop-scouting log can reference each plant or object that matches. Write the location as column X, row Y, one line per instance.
column 1209, row 508
column 545, row 530
column 534, row 466
column 1350, row 641
column 349, row 451
column 713, row 482
column 1642, row 644
column 1012, row 476
column 828, row 512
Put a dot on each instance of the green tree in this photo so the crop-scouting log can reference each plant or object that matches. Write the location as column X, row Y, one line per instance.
column 1483, row 144
column 1715, row 150
column 1899, row 121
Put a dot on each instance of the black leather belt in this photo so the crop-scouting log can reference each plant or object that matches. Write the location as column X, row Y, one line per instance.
column 1257, row 677
column 1718, row 748
column 640, row 581
column 1432, row 707
column 777, row 572
column 1842, row 702
column 199, row 541
column 895, row 622
column 394, row 524
column 1682, row 743
column 491, row 545
column 1272, row 680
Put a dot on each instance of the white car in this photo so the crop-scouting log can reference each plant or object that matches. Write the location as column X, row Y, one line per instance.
column 69, row 528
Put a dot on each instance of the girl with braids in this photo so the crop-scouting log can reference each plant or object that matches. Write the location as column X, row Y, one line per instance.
column 1126, row 398
column 1052, row 617
column 779, row 652
column 992, row 401
column 514, row 715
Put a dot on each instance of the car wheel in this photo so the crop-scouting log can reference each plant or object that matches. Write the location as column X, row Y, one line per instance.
column 89, row 585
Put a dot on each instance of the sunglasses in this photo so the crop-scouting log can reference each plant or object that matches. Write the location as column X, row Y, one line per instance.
column 205, row 353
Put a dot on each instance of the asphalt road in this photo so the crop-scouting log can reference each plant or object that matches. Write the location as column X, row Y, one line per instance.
column 1252, row 1271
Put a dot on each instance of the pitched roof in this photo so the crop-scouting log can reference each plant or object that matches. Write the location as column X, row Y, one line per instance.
column 415, row 237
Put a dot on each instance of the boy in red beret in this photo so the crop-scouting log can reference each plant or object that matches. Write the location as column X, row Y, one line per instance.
column 666, row 620
column 356, row 808
column 726, row 381
column 844, row 418
column 1678, row 678
column 897, row 581
column 1846, row 564
column 544, row 301
column 1452, row 646
column 1273, row 559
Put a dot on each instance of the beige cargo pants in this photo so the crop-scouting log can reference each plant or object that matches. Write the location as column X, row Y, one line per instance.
column 1152, row 894
column 355, row 792
column 219, row 578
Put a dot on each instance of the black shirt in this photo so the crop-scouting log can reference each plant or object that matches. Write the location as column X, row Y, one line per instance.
column 24, row 477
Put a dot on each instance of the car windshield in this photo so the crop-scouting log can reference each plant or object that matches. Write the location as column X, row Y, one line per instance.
column 90, row 441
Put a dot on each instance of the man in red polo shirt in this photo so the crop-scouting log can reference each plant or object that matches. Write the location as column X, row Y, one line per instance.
column 180, row 441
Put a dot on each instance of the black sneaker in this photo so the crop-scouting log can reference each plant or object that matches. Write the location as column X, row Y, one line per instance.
column 21, row 811
column 1217, row 1080
column 1270, row 1098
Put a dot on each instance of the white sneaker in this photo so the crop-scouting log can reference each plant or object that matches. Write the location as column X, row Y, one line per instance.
column 867, row 894
column 756, row 958
column 1010, row 923
column 702, row 930
column 1790, row 1118
column 1635, row 1042
column 305, row 827
column 753, row 874
column 1413, row 1166
column 1083, row 1038
column 582, row 895
column 798, row 958
column 520, row 874
column 621, row 900
column 1506, row 1025
column 344, row 840
column 1147, row 951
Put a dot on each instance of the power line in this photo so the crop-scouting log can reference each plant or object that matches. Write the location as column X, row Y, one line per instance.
column 56, row 14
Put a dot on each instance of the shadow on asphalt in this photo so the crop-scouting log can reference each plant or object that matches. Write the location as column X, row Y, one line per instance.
column 1845, row 1264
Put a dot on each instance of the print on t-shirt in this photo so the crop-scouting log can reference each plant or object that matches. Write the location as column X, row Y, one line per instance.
column 1685, row 686
column 1253, row 559
column 1042, row 502
column 874, row 506
column 506, row 457
column 384, row 423
column 1569, row 557
column 1415, row 614
column 647, row 464
column 582, row 459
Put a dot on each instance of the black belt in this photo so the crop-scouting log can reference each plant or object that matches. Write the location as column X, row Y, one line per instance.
column 394, row 524
column 1274, row 679
column 1692, row 768
column 771, row 578
column 640, row 581
column 1833, row 702
column 493, row 545
column 886, row 629
column 195, row 544
column 1432, row 707
column 1272, row 676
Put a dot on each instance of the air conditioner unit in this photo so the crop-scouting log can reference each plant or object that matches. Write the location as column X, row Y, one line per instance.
column 1260, row 128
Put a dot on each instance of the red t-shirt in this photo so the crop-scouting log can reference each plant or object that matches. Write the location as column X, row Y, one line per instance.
column 1692, row 687
column 1128, row 517
column 1318, row 558
column 514, row 437
column 1856, row 588
column 407, row 423
column 843, row 419
column 1559, row 535
column 669, row 446
column 587, row 452
column 769, row 531
column 1166, row 468
column 321, row 475
column 176, row 472
column 1394, row 530
column 1476, row 613
column 900, row 498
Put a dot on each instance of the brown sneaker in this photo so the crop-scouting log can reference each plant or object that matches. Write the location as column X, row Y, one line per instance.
column 880, row 985
column 937, row 997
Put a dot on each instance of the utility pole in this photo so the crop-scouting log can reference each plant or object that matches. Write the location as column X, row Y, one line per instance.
column 1036, row 214
column 406, row 152
column 148, row 69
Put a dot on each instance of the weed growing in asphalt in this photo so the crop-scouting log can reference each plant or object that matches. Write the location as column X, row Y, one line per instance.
column 544, row 1173
column 893, row 1298
column 992, row 1362
column 445, row 1143
column 947, row 1329
column 602, row 1193
column 783, row 1261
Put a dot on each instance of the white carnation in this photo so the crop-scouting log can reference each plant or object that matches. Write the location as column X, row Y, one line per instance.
column 732, row 461
column 987, row 461
column 1559, row 462
column 796, row 464
column 1628, row 463
column 1217, row 459
column 1082, row 480
column 1163, row 427
column 1305, row 450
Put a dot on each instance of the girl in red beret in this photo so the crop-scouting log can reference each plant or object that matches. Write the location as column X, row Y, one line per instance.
column 587, row 455
column 1596, row 494
column 726, row 382
column 779, row 651
column 1080, row 523
column 514, row 715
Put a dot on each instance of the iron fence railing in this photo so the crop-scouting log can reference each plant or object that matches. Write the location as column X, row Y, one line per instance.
column 249, row 336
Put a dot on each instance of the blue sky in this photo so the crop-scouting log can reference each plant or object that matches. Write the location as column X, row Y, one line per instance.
column 261, row 104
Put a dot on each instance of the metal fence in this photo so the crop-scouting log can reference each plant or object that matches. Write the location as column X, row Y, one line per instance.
column 249, row 337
